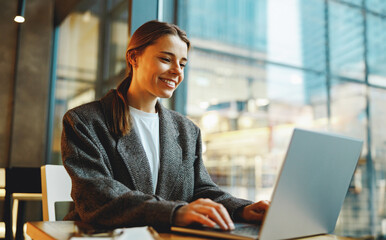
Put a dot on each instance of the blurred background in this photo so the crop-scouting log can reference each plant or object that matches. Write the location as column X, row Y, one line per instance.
column 257, row 69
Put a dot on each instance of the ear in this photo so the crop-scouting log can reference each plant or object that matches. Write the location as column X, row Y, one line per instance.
column 131, row 57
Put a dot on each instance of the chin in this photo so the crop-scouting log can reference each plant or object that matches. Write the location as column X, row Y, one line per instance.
column 166, row 95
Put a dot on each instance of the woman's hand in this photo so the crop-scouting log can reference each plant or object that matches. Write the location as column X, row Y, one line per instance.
column 255, row 212
column 206, row 212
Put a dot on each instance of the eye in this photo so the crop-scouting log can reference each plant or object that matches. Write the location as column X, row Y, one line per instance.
column 182, row 65
column 165, row 59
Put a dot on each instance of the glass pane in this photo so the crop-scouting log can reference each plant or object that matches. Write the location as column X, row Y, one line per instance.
column 354, row 2
column 118, row 39
column 79, row 54
column 313, row 34
column 378, row 6
column 348, row 117
column 376, row 44
column 168, row 11
column 284, row 34
column 214, row 77
column 346, row 41
column 229, row 25
column 348, row 108
column 378, row 119
column 76, row 65
column 240, row 104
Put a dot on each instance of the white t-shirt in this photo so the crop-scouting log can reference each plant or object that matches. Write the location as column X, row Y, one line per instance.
column 147, row 126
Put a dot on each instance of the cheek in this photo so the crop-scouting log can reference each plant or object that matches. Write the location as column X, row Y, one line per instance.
column 153, row 67
column 155, row 71
column 182, row 77
column 159, row 67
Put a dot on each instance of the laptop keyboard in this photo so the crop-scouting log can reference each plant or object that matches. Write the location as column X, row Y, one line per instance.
column 241, row 229
column 246, row 230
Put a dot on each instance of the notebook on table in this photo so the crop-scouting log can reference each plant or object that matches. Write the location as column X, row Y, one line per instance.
column 309, row 193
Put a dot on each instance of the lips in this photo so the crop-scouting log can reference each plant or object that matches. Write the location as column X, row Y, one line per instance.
column 169, row 82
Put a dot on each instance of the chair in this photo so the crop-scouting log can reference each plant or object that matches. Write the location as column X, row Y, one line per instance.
column 56, row 188
column 2, row 198
column 21, row 184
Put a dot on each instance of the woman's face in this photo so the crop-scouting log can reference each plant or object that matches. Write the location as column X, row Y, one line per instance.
column 159, row 70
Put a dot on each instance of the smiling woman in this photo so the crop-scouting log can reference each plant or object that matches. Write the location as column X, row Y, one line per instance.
column 155, row 48
column 133, row 162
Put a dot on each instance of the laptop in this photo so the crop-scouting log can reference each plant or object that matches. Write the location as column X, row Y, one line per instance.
column 309, row 193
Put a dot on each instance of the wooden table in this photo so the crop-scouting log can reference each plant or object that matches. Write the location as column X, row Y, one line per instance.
column 63, row 230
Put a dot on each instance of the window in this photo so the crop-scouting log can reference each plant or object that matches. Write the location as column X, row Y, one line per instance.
column 77, row 62
column 259, row 68
column 91, row 58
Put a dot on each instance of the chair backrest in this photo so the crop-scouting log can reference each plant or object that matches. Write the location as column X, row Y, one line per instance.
column 2, row 177
column 2, row 183
column 56, row 187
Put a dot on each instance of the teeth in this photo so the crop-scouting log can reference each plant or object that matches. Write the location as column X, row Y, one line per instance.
column 169, row 82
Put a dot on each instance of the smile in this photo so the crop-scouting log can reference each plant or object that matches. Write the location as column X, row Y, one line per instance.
column 168, row 82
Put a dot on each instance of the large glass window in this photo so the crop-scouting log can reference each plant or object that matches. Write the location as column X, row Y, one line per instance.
column 91, row 57
column 258, row 69
column 77, row 62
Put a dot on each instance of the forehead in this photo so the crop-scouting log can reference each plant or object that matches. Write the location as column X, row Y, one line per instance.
column 169, row 43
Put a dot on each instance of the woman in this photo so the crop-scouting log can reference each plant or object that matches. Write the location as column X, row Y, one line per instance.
column 134, row 162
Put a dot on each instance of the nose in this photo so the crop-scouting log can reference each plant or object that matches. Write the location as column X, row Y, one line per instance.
column 176, row 69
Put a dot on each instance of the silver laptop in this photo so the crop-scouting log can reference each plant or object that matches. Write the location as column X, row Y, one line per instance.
column 309, row 192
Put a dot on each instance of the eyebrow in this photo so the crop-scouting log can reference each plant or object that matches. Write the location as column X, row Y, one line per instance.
column 173, row 55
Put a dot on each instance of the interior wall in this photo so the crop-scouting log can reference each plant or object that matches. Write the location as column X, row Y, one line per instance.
column 7, row 59
column 24, row 82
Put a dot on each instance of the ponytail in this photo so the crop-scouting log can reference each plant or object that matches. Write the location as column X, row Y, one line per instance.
column 121, row 124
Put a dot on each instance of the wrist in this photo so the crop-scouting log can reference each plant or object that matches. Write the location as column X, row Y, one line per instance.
column 239, row 214
column 174, row 214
